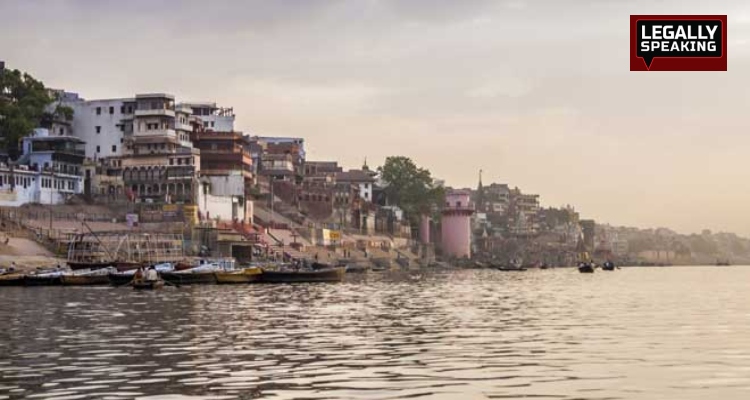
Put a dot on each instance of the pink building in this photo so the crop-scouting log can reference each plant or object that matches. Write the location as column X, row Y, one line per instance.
column 456, row 223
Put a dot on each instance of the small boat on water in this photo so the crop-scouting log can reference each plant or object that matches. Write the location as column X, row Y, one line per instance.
column 510, row 268
column 124, row 277
column 147, row 285
column 608, row 266
column 247, row 275
column 303, row 276
column 586, row 268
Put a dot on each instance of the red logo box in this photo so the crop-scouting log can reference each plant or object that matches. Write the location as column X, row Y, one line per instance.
column 678, row 42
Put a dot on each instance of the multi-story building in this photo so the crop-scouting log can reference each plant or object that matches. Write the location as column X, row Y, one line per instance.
column 222, row 153
column 286, row 145
column 48, row 172
column 102, row 124
column 159, row 162
column 362, row 179
column 213, row 118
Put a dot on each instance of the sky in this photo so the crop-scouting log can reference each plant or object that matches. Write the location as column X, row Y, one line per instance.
column 537, row 94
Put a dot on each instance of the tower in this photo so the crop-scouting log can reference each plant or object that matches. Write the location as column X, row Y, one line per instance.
column 456, row 224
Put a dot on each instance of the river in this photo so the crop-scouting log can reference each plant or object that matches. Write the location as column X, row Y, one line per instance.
column 635, row 333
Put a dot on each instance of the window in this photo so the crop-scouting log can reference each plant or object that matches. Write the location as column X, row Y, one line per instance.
column 62, row 131
column 114, row 148
column 458, row 204
column 111, row 110
column 122, row 109
column 171, row 161
column 122, row 140
column 98, row 111
column 98, row 129
column 179, row 161
column 98, row 150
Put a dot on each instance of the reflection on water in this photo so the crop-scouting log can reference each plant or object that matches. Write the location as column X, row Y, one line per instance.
column 640, row 333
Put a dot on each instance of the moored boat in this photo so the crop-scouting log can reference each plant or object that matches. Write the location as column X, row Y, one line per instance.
column 247, row 275
column 51, row 279
column 356, row 269
column 608, row 266
column 11, row 280
column 302, row 276
column 586, row 268
column 85, row 280
column 187, row 277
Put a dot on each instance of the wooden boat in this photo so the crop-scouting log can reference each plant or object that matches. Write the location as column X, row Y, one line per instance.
column 128, row 265
column 42, row 280
column 356, row 269
column 189, row 278
column 119, row 279
column 586, row 268
column 85, row 280
column 301, row 276
column 147, row 285
column 608, row 266
column 511, row 268
column 11, row 280
column 247, row 275
column 76, row 265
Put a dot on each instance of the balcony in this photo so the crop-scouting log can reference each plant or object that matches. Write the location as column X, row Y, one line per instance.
column 155, row 112
column 170, row 133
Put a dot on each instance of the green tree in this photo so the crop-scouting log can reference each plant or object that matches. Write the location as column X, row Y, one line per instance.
column 411, row 187
column 23, row 103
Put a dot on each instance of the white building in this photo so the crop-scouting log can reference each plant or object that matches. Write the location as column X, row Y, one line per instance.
column 217, row 119
column 102, row 124
column 361, row 178
column 49, row 171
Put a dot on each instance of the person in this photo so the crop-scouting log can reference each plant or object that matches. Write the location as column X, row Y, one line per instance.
column 152, row 275
column 138, row 276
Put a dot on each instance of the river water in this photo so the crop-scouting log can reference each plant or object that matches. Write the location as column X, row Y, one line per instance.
column 636, row 333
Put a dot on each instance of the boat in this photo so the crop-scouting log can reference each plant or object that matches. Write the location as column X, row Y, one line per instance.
column 514, row 265
column 356, row 269
column 147, row 285
column 204, row 273
column 85, row 280
column 43, row 279
column 247, row 275
column 511, row 268
column 608, row 266
column 87, row 277
column 123, row 277
column 586, row 268
column 302, row 276
column 11, row 279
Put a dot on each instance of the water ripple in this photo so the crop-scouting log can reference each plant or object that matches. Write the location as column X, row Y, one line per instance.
column 632, row 334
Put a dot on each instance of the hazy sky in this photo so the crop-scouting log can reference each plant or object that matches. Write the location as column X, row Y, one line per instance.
column 538, row 94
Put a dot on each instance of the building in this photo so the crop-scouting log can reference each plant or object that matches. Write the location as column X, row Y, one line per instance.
column 286, row 145
column 213, row 118
column 48, row 172
column 456, row 224
column 102, row 124
column 222, row 153
column 159, row 163
column 361, row 178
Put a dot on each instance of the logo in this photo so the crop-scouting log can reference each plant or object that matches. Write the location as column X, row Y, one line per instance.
column 678, row 42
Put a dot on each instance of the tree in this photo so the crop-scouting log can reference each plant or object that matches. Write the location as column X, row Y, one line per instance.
column 23, row 102
column 410, row 187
